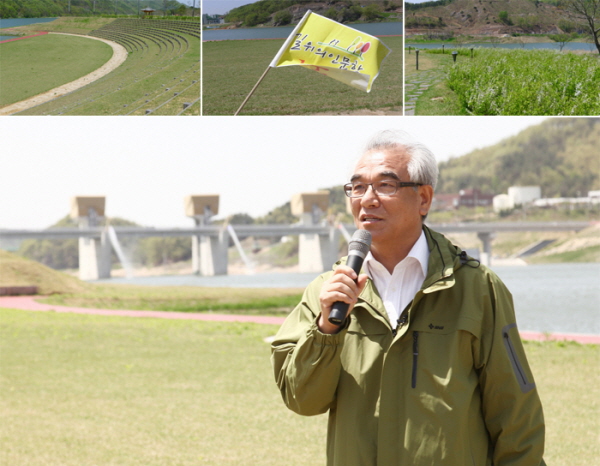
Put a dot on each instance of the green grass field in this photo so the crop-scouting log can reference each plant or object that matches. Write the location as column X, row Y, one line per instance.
column 91, row 390
column 232, row 68
column 182, row 299
column 38, row 64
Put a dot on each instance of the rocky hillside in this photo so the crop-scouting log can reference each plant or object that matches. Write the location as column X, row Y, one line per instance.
column 488, row 17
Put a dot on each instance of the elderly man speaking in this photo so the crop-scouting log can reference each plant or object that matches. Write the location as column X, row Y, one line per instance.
column 428, row 367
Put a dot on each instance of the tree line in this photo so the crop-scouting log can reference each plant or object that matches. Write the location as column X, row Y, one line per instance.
column 55, row 8
column 277, row 12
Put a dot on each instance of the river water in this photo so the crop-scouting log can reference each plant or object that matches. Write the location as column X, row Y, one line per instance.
column 588, row 47
column 375, row 29
column 563, row 298
column 14, row 22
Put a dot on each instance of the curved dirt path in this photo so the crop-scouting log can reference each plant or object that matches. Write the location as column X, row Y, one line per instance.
column 29, row 303
column 118, row 57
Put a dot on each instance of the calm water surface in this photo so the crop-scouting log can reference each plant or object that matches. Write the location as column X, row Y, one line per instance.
column 375, row 29
column 548, row 298
column 14, row 22
column 537, row 46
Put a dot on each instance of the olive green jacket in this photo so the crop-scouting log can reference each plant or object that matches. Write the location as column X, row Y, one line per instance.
column 451, row 386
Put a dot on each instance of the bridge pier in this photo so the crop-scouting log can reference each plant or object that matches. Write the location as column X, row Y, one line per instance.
column 94, row 253
column 317, row 253
column 209, row 253
column 486, row 255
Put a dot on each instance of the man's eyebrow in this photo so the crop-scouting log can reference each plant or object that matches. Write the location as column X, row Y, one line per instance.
column 389, row 174
column 384, row 174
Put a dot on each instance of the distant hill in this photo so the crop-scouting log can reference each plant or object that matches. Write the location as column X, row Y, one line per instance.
column 488, row 17
column 561, row 155
column 282, row 12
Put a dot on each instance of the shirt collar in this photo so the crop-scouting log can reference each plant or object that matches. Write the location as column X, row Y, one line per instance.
column 419, row 251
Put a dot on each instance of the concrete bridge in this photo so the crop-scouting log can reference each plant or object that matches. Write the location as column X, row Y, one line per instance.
column 318, row 240
column 318, row 243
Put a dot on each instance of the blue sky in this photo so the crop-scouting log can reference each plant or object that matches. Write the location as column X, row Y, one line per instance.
column 220, row 7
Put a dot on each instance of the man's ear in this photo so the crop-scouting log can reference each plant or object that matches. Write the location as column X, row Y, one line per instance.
column 426, row 196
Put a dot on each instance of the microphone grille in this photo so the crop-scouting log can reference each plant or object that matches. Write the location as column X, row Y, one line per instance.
column 361, row 242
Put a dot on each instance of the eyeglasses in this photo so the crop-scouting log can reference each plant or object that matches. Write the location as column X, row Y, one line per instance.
column 381, row 188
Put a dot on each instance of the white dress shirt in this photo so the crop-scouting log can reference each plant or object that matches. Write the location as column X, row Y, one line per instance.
column 399, row 288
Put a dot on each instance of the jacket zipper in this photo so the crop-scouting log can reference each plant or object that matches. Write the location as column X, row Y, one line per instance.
column 401, row 321
column 415, row 358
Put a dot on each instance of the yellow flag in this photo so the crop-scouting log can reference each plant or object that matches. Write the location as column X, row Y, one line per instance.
column 340, row 52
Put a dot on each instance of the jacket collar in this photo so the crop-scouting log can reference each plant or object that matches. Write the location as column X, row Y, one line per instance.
column 443, row 262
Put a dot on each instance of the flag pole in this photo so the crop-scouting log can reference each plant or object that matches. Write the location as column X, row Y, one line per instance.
column 252, row 91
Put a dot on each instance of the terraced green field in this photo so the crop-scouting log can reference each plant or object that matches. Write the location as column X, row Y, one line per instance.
column 161, row 75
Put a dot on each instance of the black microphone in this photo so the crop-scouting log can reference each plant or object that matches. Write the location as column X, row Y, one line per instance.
column 358, row 247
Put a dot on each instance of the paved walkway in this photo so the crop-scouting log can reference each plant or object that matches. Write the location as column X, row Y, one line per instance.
column 415, row 85
column 30, row 304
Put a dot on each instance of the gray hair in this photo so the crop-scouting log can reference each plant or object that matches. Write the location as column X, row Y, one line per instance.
column 422, row 167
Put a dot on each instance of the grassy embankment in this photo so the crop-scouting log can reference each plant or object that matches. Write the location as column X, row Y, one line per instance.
column 509, row 82
column 36, row 65
column 66, row 290
column 232, row 68
column 78, row 389
column 157, row 77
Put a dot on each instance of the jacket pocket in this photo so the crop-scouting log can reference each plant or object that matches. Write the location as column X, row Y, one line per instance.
column 520, row 373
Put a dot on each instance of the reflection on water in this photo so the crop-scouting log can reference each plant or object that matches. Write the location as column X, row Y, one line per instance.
column 548, row 298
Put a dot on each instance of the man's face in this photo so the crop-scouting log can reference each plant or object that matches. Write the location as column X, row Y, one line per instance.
column 394, row 219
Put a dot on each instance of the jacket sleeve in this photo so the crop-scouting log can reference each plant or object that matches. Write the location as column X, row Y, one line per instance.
column 307, row 362
column 511, row 406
